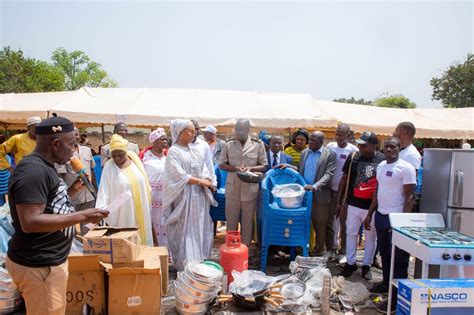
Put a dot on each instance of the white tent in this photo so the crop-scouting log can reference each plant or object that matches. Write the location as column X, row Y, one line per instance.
column 272, row 111
column 156, row 107
column 443, row 123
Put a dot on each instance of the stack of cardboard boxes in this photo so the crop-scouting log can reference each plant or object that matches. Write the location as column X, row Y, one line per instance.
column 116, row 275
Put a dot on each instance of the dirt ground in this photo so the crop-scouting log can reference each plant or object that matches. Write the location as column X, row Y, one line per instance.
column 277, row 265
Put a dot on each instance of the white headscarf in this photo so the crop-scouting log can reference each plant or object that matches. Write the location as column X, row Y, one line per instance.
column 156, row 134
column 177, row 126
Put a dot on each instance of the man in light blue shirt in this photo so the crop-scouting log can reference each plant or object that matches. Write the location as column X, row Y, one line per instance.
column 311, row 164
column 317, row 166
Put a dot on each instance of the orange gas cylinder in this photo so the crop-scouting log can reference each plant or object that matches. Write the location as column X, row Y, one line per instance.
column 234, row 255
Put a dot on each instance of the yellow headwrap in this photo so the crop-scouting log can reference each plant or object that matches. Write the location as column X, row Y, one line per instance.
column 118, row 143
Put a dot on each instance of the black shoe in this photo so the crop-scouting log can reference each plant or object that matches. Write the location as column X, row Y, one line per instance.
column 379, row 287
column 366, row 273
column 348, row 270
column 377, row 264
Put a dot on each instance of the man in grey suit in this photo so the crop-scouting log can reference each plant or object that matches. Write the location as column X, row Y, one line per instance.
column 317, row 166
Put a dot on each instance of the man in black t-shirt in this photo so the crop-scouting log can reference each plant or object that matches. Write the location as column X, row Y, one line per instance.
column 362, row 184
column 44, row 219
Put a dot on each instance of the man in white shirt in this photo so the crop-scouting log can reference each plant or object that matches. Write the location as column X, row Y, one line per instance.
column 405, row 131
column 343, row 150
column 203, row 148
column 396, row 182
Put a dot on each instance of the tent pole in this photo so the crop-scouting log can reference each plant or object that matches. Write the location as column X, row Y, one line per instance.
column 103, row 132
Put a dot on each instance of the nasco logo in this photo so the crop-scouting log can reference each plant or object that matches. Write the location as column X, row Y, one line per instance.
column 445, row 297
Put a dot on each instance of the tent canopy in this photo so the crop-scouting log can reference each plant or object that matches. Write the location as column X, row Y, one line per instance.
column 143, row 107
column 442, row 123
column 156, row 107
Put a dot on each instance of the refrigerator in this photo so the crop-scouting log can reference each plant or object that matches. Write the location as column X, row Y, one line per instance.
column 448, row 187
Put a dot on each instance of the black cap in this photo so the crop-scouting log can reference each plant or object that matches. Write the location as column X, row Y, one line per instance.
column 54, row 125
column 368, row 137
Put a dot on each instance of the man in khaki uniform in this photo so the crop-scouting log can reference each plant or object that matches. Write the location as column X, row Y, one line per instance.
column 121, row 130
column 242, row 154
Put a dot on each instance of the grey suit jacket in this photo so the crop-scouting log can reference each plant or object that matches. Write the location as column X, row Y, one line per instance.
column 324, row 173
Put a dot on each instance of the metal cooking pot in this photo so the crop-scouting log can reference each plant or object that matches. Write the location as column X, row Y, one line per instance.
column 185, row 308
column 195, row 288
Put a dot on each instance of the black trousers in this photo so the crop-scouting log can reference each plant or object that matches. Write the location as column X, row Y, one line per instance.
column 384, row 242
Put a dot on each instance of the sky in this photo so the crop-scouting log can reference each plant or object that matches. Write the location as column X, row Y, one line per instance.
column 328, row 49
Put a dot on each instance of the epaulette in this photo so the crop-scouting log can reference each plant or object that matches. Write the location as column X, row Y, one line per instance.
column 232, row 139
column 256, row 140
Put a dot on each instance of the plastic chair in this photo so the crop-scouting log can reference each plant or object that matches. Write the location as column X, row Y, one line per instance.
column 218, row 213
column 97, row 169
column 280, row 226
column 4, row 177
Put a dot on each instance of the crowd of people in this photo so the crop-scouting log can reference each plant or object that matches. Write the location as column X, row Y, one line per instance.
column 170, row 188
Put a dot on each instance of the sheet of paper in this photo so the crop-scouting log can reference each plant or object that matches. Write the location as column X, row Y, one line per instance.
column 117, row 203
column 113, row 206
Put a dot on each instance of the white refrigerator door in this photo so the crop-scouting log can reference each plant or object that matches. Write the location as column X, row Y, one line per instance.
column 461, row 192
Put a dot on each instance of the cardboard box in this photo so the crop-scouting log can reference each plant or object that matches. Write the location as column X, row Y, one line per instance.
column 163, row 253
column 436, row 297
column 86, row 284
column 113, row 245
column 137, row 289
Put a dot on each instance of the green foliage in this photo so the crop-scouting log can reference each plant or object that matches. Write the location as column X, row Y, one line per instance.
column 395, row 100
column 79, row 70
column 352, row 100
column 455, row 88
column 19, row 74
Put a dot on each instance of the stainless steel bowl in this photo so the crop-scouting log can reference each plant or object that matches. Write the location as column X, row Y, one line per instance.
column 249, row 177
column 289, row 202
column 10, row 305
column 196, row 288
column 185, row 308
column 292, row 198
column 293, row 289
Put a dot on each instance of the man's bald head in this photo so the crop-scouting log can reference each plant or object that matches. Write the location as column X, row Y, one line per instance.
column 242, row 129
column 316, row 139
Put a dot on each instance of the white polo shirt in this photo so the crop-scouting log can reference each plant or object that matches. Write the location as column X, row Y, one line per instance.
column 390, row 179
column 341, row 156
column 411, row 155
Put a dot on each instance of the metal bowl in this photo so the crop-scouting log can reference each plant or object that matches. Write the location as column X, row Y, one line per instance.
column 196, row 288
column 201, row 288
column 291, row 199
column 10, row 305
column 249, row 177
column 185, row 308
column 293, row 289
column 289, row 202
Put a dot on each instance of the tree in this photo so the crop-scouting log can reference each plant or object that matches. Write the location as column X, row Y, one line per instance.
column 394, row 100
column 352, row 100
column 19, row 74
column 79, row 70
column 455, row 87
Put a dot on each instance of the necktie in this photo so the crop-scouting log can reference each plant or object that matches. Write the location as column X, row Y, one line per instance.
column 275, row 162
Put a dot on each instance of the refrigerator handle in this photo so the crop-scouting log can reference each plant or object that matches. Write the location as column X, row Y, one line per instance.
column 458, row 188
column 456, row 224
